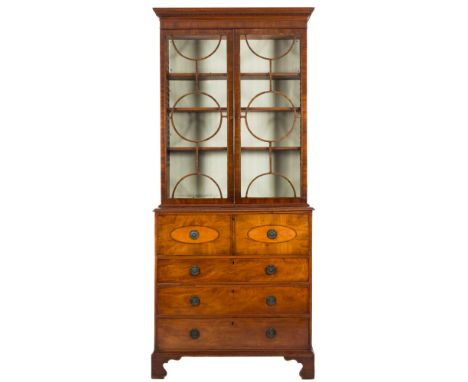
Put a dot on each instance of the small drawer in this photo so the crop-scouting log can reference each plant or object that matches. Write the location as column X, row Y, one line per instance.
column 232, row 270
column 195, row 234
column 234, row 333
column 234, row 299
column 279, row 234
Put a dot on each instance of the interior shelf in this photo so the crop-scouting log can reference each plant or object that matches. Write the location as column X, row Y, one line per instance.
column 215, row 109
column 277, row 148
column 273, row 108
column 244, row 76
column 196, row 109
column 252, row 148
column 266, row 76
column 201, row 76
column 199, row 148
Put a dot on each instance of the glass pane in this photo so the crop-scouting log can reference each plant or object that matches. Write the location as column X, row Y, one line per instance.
column 284, row 180
column 269, row 47
column 197, row 117
column 270, row 116
column 183, row 51
column 186, row 182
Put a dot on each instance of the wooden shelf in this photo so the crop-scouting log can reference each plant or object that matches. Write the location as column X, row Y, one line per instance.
column 278, row 148
column 273, row 108
column 266, row 76
column 250, row 148
column 196, row 109
column 175, row 149
column 215, row 109
column 201, row 76
column 244, row 76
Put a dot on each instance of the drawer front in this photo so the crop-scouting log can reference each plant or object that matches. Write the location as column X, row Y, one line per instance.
column 207, row 234
column 279, row 234
column 232, row 270
column 231, row 300
column 235, row 333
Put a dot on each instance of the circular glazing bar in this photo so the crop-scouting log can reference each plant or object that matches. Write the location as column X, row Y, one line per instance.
column 270, row 173
column 171, row 117
column 197, row 174
column 271, row 58
column 293, row 108
column 196, row 58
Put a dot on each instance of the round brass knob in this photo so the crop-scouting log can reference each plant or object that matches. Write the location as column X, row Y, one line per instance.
column 270, row 300
column 270, row 332
column 194, row 300
column 272, row 234
column 270, row 269
column 194, row 333
column 194, row 270
column 194, row 234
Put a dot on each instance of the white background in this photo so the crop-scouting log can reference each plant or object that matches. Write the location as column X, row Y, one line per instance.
column 79, row 177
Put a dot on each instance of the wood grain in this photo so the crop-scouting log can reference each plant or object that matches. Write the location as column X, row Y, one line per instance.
column 157, row 364
column 308, row 364
column 167, row 225
column 209, row 13
column 198, row 18
column 248, row 244
column 233, row 300
column 233, row 270
column 234, row 333
column 283, row 233
column 232, row 249
column 205, row 234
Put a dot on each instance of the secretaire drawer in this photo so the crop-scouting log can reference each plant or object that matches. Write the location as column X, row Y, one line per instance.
column 232, row 270
column 281, row 234
column 232, row 299
column 234, row 333
column 193, row 234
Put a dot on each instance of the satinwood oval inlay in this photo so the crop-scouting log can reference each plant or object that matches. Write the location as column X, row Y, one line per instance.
column 186, row 234
column 264, row 234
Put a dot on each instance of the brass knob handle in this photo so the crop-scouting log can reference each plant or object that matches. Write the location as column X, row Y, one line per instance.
column 194, row 270
column 270, row 332
column 194, row 234
column 272, row 234
column 194, row 300
column 194, row 333
column 270, row 269
column 270, row 300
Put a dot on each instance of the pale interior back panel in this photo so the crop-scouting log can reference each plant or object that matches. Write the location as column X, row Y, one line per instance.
column 197, row 118
column 270, row 117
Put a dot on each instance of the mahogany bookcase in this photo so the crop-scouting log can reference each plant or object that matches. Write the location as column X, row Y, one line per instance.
column 233, row 232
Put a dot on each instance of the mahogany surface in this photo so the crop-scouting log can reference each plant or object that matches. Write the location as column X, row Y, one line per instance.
column 232, row 333
column 233, row 274
column 233, row 300
column 292, row 233
column 233, row 269
column 172, row 234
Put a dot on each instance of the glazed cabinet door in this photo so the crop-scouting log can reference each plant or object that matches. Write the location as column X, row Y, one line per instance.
column 270, row 115
column 196, row 145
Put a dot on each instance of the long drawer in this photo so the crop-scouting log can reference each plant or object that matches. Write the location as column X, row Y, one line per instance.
column 234, row 333
column 232, row 299
column 279, row 234
column 232, row 270
column 193, row 234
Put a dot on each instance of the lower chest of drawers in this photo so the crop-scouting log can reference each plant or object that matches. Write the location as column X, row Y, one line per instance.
column 229, row 282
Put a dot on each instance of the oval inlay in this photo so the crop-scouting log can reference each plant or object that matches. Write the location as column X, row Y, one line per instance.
column 185, row 234
column 283, row 234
